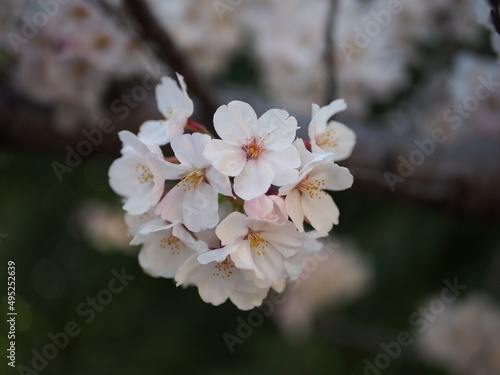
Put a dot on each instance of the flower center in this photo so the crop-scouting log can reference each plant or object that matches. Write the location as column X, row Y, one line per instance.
column 312, row 188
column 224, row 269
column 254, row 147
column 327, row 138
column 192, row 180
column 144, row 173
column 257, row 242
column 171, row 243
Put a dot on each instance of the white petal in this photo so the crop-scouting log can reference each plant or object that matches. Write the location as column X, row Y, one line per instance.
column 219, row 181
column 319, row 121
column 243, row 259
column 226, row 158
column 234, row 122
column 200, row 208
column 346, row 140
column 233, row 228
column 278, row 129
column 131, row 142
column 321, row 213
column 172, row 102
column 294, row 209
column 188, row 149
column 140, row 202
column 170, row 207
column 283, row 164
column 335, row 177
column 154, row 132
column 287, row 240
column 254, row 180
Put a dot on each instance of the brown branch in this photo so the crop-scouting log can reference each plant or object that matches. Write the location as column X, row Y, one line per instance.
column 495, row 14
column 167, row 51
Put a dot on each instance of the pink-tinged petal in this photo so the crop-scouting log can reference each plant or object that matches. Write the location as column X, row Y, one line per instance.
column 130, row 141
column 243, row 259
column 233, row 228
column 219, row 181
column 140, row 202
column 170, row 207
column 226, row 158
column 266, row 207
column 278, row 129
column 234, row 122
column 154, row 132
column 294, row 208
column 335, row 177
column 283, row 164
column 200, row 208
column 323, row 114
column 254, row 180
column 188, row 149
column 322, row 213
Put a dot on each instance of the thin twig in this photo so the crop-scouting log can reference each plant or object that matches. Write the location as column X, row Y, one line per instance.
column 166, row 50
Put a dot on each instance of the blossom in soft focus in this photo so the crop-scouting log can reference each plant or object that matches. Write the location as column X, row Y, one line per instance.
column 194, row 200
column 257, row 152
column 175, row 106
column 336, row 273
column 330, row 136
column 226, row 215
column 465, row 337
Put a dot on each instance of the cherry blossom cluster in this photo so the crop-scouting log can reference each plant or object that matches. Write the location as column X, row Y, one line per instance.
column 227, row 215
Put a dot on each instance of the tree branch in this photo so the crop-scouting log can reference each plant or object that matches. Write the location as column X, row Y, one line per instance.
column 167, row 51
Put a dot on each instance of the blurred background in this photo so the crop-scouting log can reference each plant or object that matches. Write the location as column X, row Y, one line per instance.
column 421, row 80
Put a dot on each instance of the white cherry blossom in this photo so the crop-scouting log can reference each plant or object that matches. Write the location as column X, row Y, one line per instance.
column 131, row 177
column 175, row 106
column 257, row 245
column 306, row 198
column 219, row 280
column 331, row 136
column 194, row 200
column 257, row 152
